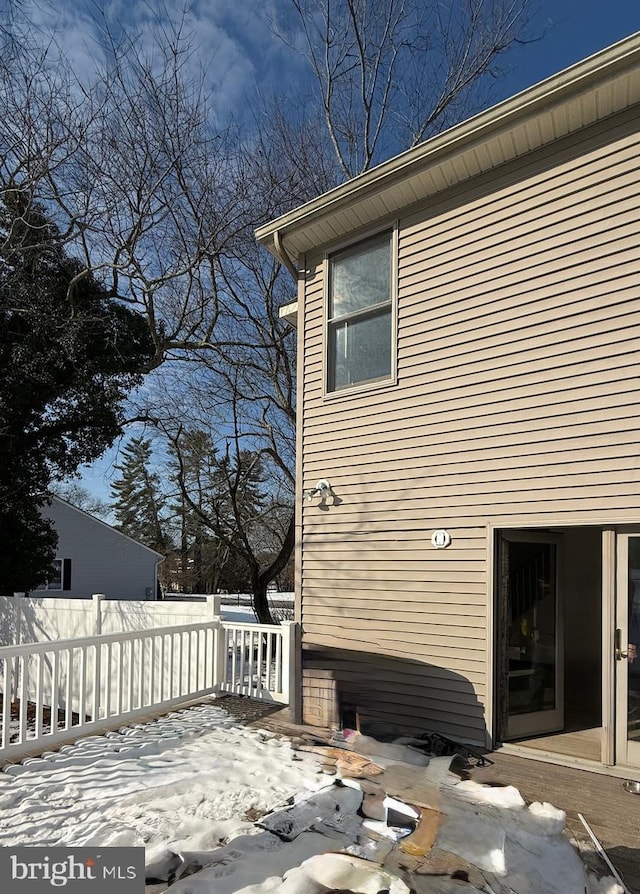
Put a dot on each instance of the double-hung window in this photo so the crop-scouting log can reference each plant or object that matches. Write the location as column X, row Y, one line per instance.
column 55, row 581
column 60, row 578
column 360, row 313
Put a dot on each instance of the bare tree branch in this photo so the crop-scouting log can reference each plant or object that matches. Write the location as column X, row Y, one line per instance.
column 393, row 72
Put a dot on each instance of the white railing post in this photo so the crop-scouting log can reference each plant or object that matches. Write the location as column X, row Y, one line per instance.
column 7, row 667
column 97, row 609
column 213, row 606
column 39, row 694
column 23, row 664
column 97, row 669
column 220, row 656
column 290, row 660
column 18, row 597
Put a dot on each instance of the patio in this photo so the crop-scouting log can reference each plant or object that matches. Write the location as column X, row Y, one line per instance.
column 612, row 813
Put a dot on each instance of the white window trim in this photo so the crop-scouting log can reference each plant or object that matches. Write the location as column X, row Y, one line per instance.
column 47, row 587
column 371, row 384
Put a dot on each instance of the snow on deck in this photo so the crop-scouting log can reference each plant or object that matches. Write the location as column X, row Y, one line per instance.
column 210, row 802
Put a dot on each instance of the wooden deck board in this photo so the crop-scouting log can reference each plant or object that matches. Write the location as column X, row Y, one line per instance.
column 583, row 744
column 612, row 813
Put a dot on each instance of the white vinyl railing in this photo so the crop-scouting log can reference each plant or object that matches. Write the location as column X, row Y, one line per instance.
column 258, row 660
column 69, row 688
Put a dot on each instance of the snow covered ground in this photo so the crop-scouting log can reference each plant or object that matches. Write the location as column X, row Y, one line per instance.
column 186, row 779
column 190, row 786
column 240, row 614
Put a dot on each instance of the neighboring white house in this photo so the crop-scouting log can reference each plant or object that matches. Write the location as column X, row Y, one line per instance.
column 92, row 557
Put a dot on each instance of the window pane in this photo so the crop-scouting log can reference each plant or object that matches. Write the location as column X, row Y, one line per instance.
column 533, row 611
column 361, row 350
column 55, row 581
column 361, row 277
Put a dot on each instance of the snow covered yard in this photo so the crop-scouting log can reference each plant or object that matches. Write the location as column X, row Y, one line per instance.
column 209, row 800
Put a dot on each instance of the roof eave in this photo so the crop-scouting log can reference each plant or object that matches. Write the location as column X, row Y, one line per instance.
column 600, row 68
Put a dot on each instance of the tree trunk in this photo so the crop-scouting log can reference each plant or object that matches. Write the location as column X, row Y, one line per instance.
column 261, row 579
column 185, row 583
column 198, row 579
column 260, row 601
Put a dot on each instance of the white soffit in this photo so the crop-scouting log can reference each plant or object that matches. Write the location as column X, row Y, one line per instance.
column 584, row 94
column 289, row 312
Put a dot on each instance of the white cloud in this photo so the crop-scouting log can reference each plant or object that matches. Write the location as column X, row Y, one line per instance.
column 69, row 32
column 232, row 44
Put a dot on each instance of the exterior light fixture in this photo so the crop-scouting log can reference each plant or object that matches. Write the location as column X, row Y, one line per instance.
column 322, row 490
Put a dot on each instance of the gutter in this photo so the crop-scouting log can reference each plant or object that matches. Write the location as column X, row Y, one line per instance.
column 283, row 256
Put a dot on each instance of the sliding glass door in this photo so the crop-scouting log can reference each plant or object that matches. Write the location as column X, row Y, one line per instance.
column 530, row 617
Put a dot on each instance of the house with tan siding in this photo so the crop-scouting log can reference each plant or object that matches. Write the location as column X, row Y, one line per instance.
column 468, row 512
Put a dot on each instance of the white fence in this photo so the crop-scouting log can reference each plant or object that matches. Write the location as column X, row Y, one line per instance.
column 66, row 688
column 35, row 619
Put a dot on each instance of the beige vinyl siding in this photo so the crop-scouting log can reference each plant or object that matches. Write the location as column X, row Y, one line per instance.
column 516, row 404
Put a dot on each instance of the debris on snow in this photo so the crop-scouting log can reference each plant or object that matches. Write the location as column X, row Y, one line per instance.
column 383, row 753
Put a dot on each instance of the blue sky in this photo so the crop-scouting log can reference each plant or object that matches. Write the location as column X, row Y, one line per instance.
column 241, row 54
column 573, row 30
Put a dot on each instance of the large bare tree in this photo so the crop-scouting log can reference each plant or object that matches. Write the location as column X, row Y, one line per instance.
column 157, row 191
column 390, row 73
column 142, row 183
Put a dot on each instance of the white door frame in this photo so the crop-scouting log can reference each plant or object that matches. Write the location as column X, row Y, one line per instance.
column 627, row 753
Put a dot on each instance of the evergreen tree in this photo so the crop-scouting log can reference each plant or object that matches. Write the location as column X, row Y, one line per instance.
column 138, row 502
column 229, row 498
column 69, row 355
column 197, row 479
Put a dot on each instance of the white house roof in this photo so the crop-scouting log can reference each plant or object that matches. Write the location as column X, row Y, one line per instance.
column 590, row 91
